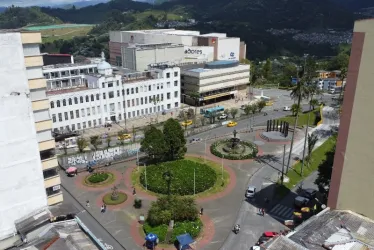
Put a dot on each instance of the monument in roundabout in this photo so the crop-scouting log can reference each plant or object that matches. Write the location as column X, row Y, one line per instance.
column 234, row 148
column 276, row 130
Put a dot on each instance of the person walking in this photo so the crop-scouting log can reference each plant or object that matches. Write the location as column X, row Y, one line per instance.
column 87, row 203
column 134, row 191
column 102, row 208
column 201, row 211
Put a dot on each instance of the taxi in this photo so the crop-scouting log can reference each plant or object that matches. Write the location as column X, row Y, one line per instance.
column 232, row 124
column 124, row 137
column 186, row 123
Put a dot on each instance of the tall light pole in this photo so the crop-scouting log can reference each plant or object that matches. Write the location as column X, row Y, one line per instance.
column 194, row 181
column 284, row 158
column 205, row 147
column 222, row 167
column 145, row 175
column 307, row 126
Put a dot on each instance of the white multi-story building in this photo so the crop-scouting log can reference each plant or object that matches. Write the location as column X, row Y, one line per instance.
column 110, row 95
column 214, row 46
column 213, row 81
column 30, row 179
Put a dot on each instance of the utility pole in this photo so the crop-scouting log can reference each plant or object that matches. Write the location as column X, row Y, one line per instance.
column 194, row 181
column 307, row 126
column 284, row 158
column 145, row 175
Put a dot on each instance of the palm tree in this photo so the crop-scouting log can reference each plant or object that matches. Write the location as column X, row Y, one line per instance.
column 82, row 144
column 312, row 140
column 343, row 75
column 261, row 105
column 295, row 109
column 313, row 103
column 299, row 92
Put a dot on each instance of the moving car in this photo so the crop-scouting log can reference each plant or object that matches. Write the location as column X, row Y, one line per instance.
column 223, row 117
column 232, row 124
column 186, row 123
column 309, row 193
column 270, row 234
column 195, row 140
column 286, row 108
column 250, row 193
column 124, row 137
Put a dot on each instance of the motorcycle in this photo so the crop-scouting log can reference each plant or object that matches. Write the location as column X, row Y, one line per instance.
column 236, row 229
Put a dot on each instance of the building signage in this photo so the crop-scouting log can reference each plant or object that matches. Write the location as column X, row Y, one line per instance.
column 193, row 51
column 232, row 56
column 55, row 188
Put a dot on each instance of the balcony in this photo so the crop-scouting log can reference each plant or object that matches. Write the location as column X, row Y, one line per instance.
column 44, row 125
column 37, row 83
column 40, row 105
column 52, row 182
column 55, row 198
column 49, row 163
column 46, row 145
column 34, row 61
column 29, row 38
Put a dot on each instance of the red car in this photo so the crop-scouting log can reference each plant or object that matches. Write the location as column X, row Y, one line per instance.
column 270, row 234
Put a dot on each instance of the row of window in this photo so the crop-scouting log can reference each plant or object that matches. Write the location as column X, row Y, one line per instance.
column 137, row 113
column 91, row 98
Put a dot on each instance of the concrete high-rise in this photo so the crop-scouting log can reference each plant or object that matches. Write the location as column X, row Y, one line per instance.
column 28, row 168
column 352, row 185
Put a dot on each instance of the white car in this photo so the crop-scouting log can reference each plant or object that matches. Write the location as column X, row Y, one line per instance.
column 250, row 193
column 286, row 108
column 222, row 117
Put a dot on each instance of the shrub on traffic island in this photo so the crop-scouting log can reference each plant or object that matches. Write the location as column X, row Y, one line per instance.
column 121, row 198
column 250, row 155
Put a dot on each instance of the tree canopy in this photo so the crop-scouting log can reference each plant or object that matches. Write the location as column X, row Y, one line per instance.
column 174, row 139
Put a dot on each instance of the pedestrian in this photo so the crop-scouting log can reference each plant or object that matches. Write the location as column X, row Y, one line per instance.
column 201, row 211
column 87, row 203
column 263, row 211
column 102, row 209
column 134, row 192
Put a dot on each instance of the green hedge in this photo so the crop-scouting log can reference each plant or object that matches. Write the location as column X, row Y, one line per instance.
column 253, row 154
column 160, row 231
column 107, row 199
column 98, row 177
column 182, row 181
column 191, row 227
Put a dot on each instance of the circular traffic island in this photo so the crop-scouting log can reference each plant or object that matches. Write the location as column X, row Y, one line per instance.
column 114, row 199
column 99, row 179
column 234, row 149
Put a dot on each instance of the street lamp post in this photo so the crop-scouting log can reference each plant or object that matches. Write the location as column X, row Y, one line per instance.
column 284, row 156
column 194, row 181
column 145, row 175
column 222, row 167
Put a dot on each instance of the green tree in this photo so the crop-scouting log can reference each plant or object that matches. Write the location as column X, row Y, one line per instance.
column 260, row 105
column 174, row 139
column 153, row 143
column 234, row 112
column 202, row 120
column 313, row 103
column 226, row 112
column 95, row 141
column 324, row 172
column 247, row 109
column 254, row 108
column 267, row 69
column 299, row 92
column 295, row 109
column 82, row 144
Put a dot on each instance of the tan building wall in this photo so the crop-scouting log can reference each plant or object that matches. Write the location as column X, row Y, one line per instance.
column 353, row 171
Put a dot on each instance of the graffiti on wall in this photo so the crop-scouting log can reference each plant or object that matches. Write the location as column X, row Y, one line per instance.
column 99, row 156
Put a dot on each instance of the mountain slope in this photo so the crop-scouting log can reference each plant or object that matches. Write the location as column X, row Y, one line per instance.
column 300, row 14
column 355, row 4
column 16, row 17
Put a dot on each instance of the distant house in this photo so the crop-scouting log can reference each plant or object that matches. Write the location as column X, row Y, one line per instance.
column 329, row 83
column 323, row 74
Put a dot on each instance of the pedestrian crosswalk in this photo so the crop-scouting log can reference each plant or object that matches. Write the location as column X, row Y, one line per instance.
column 282, row 212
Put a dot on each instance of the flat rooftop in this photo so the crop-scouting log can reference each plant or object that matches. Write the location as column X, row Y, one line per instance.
column 69, row 65
column 67, row 90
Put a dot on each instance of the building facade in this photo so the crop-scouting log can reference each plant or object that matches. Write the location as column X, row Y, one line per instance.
column 213, row 81
column 352, row 183
column 108, row 95
column 224, row 48
column 29, row 165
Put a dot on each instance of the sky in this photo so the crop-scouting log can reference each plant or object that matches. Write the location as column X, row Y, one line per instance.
column 23, row 3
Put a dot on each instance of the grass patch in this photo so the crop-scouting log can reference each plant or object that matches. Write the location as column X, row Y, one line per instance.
column 49, row 35
column 318, row 156
column 99, row 177
column 303, row 118
column 107, row 199
column 219, row 185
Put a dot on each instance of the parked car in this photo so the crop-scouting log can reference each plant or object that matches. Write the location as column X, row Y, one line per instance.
column 124, row 137
column 286, row 108
column 270, row 234
column 301, row 201
column 309, row 193
column 222, row 117
column 186, row 123
column 232, row 124
column 195, row 140
column 250, row 193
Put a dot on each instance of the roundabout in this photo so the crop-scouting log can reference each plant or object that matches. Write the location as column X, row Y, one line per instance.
column 99, row 179
column 234, row 148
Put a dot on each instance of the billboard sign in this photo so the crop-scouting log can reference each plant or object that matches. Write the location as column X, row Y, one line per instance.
column 200, row 52
column 228, row 49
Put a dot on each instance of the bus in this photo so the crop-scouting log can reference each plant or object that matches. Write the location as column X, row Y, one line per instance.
column 209, row 111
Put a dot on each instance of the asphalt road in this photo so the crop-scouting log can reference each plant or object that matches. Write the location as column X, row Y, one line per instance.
column 92, row 224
